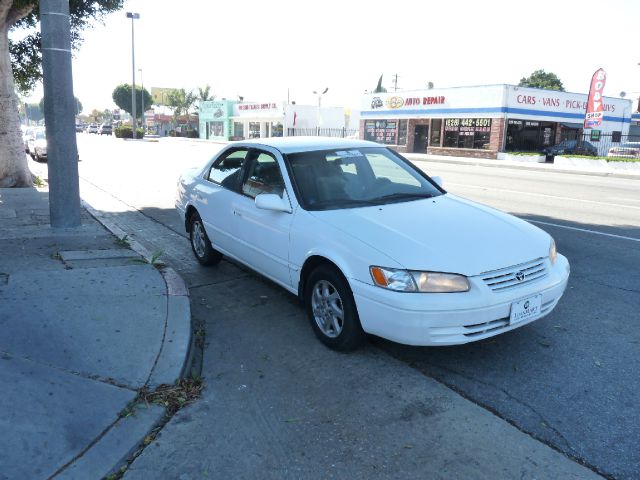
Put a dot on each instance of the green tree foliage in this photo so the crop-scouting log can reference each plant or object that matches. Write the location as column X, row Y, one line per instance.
column 181, row 101
column 122, row 98
column 26, row 55
column 379, row 88
column 542, row 79
column 78, row 106
column 204, row 94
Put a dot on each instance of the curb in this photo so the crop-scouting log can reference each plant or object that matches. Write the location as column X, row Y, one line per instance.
column 176, row 351
column 425, row 159
column 125, row 436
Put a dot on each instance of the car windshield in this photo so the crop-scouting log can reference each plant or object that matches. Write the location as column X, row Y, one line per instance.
column 567, row 144
column 356, row 177
column 41, row 136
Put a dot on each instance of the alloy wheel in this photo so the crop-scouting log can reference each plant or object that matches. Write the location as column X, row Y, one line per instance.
column 327, row 308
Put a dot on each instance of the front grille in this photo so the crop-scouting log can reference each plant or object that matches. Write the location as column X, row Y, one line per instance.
column 515, row 276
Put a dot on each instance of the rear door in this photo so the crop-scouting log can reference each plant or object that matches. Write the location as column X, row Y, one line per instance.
column 215, row 195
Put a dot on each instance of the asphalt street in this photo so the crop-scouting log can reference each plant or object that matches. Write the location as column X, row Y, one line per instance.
column 569, row 380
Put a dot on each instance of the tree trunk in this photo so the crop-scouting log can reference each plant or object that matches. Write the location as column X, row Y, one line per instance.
column 14, row 168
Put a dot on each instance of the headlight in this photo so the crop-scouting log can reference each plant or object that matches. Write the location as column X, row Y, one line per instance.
column 411, row 281
column 553, row 252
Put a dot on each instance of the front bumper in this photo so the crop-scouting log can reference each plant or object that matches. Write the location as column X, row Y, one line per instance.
column 453, row 318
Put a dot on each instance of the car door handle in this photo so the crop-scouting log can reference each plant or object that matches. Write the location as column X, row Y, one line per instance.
column 237, row 213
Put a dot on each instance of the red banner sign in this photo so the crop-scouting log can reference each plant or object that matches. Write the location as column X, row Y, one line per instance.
column 595, row 106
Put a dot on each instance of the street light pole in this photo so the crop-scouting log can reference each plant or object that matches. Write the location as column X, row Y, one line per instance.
column 317, row 92
column 320, row 96
column 144, row 120
column 133, row 16
column 64, row 187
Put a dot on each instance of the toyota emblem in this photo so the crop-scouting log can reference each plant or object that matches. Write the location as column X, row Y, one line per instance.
column 520, row 276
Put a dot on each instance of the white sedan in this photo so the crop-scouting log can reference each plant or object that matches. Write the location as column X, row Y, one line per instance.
column 369, row 242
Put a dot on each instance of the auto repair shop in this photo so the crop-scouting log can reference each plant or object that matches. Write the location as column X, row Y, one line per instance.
column 482, row 121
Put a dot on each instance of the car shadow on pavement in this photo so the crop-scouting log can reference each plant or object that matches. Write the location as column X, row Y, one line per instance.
column 565, row 378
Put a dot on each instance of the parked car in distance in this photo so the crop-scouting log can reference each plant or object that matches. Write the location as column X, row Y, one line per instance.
column 369, row 243
column 26, row 135
column 38, row 145
column 80, row 127
column 572, row 147
column 92, row 128
column 625, row 150
column 105, row 129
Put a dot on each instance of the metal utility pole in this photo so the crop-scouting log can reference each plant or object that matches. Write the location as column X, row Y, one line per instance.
column 60, row 114
column 144, row 120
column 395, row 82
column 133, row 16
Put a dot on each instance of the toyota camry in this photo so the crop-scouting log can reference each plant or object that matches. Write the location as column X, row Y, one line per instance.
column 369, row 242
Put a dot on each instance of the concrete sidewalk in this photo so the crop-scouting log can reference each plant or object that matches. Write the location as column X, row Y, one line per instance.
column 86, row 322
column 537, row 167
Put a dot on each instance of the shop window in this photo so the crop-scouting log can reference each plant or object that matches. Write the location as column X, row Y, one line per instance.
column 616, row 136
column 254, row 129
column 276, row 129
column 216, row 129
column 402, row 132
column 529, row 135
column 436, row 132
column 474, row 133
column 238, row 129
column 382, row 131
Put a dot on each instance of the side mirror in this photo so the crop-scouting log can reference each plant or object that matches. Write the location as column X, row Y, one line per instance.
column 438, row 180
column 273, row 202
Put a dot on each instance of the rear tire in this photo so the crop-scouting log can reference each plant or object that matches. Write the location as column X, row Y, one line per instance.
column 332, row 310
column 200, row 243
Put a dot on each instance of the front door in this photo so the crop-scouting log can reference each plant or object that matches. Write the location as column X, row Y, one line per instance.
column 263, row 235
column 420, row 139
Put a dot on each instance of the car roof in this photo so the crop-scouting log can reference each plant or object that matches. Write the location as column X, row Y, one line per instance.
column 306, row 144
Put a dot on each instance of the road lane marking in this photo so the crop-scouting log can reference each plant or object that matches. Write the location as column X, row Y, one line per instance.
column 636, row 200
column 621, row 237
column 544, row 195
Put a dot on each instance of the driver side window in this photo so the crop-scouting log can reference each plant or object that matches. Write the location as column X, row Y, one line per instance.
column 264, row 177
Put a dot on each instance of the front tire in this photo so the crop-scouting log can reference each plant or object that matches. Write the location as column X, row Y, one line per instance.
column 331, row 309
column 200, row 243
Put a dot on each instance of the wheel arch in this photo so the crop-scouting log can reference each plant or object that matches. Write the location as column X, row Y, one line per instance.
column 310, row 264
column 190, row 210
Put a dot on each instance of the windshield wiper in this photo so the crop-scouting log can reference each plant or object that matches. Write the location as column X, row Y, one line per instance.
column 343, row 202
column 404, row 196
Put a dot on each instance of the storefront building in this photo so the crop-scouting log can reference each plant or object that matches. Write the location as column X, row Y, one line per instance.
column 483, row 121
column 215, row 119
column 231, row 120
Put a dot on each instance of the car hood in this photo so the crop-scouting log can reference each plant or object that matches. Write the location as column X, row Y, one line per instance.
column 444, row 234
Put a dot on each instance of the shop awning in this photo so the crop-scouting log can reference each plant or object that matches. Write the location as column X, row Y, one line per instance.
column 572, row 125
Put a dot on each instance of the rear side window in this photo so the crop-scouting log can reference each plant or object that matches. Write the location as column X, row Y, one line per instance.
column 227, row 170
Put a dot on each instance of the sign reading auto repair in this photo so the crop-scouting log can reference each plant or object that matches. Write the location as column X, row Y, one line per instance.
column 396, row 101
column 440, row 100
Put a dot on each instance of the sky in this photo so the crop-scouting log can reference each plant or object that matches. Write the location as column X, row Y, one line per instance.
column 279, row 50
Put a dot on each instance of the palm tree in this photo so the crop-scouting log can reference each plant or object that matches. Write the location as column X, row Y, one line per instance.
column 204, row 94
